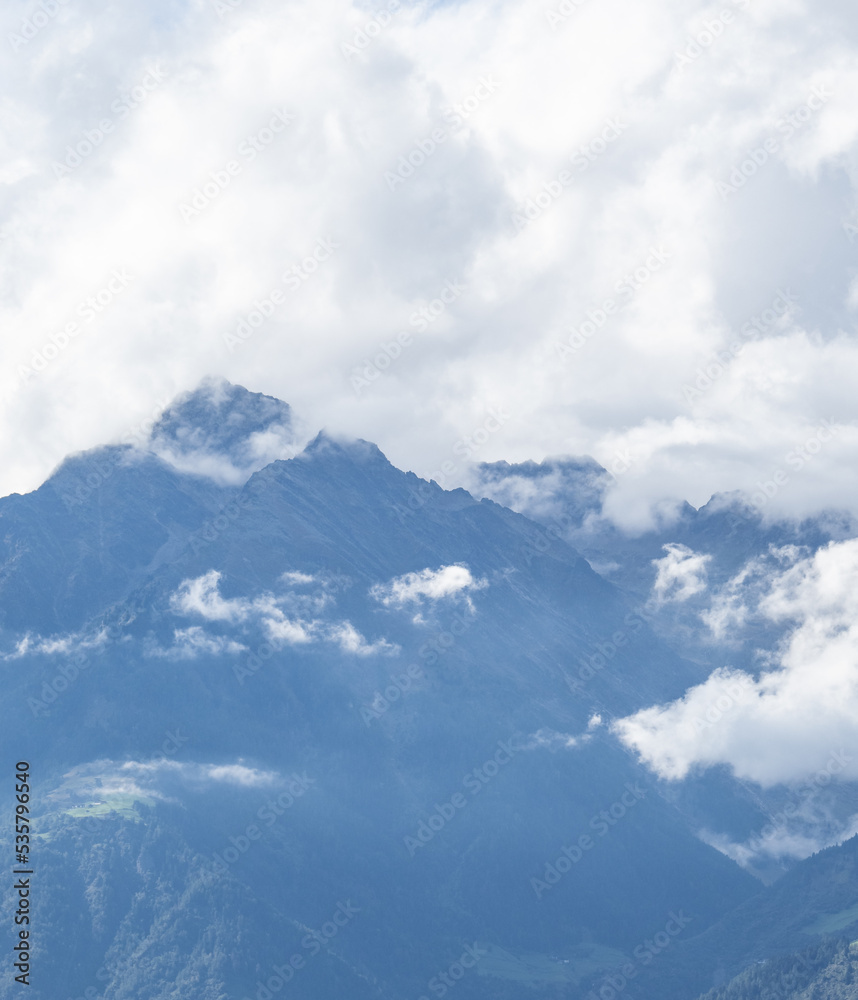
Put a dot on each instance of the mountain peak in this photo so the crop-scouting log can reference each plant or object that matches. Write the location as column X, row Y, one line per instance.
column 562, row 486
column 224, row 431
column 354, row 449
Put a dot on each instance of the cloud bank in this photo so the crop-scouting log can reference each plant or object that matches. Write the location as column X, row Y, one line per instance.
column 782, row 726
column 465, row 231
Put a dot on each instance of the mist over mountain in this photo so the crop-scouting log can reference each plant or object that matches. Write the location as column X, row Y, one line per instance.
column 299, row 720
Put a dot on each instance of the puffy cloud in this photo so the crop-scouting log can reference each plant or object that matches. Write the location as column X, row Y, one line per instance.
column 783, row 725
column 428, row 584
column 691, row 288
column 283, row 631
column 680, row 574
column 201, row 596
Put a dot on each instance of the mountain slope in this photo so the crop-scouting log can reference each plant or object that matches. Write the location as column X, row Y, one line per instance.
column 415, row 653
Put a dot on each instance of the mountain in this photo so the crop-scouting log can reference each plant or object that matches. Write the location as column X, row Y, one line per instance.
column 699, row 578
column 790, row 925
column 291, row 708
column 824, row 972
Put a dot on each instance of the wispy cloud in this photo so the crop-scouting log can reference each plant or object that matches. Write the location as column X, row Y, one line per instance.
column 192, row 642
column 57, row 645
column 350, row 640
column 550, row 739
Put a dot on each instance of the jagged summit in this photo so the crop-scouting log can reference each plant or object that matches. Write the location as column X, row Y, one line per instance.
column 224, row 431
column 354, row 449
column 564, row 488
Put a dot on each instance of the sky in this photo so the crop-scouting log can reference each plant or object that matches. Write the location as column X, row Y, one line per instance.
column 467, row 232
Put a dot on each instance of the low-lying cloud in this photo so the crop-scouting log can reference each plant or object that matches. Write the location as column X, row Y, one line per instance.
column 781, row 726
column 428, row 585
column 286, row 619
column 680, row 574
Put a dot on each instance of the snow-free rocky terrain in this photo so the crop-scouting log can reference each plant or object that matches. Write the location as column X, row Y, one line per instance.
column 301, row 724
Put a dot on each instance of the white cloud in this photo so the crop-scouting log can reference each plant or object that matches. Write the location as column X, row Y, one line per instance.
column 262, row 448
column 781, row 726
column 550, row 739
column 56, row 645
column 189, row 643
column 283, row 631
column 350, row 640
column 683, row 130
column 201, row 596
column 429, row 584
column 296, row 578
column 736, row 601
column 141, row 777
column 239, row 774
column 792, row 841
column 680, row 574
